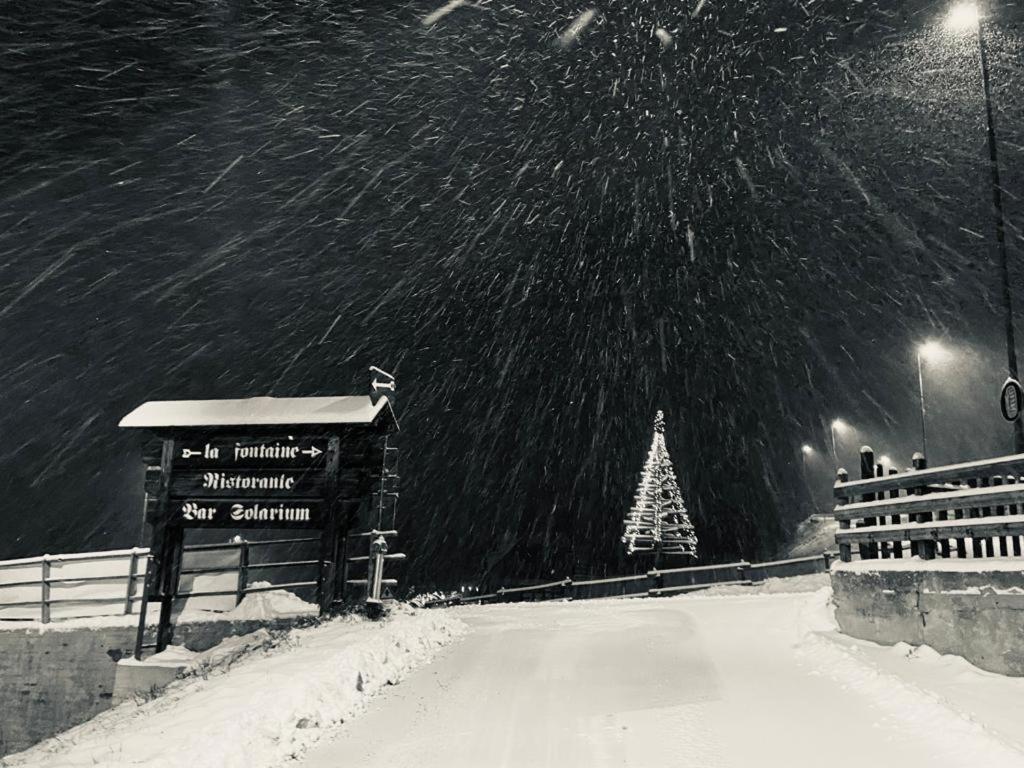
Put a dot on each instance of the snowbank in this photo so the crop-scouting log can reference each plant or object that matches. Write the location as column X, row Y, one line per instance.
column 266, row 708
column 257, row 606
column 813, row 536
column 972, row 713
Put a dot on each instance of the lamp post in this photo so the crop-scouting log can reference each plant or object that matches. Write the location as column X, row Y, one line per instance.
column 968, row 17
column 805, row 452
column 930, row 351
column 837, row 425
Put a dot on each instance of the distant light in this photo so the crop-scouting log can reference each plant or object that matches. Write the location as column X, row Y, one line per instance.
column 806, row 449
column 839, row 425
column 932, row 351
column 884, row 460
column 963, row 17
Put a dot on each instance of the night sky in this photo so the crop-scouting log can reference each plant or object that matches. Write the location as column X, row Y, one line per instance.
column 743, row 212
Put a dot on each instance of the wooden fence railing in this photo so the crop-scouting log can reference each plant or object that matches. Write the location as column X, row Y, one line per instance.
column 963, row 510
column 53, row 587
column 656, row 583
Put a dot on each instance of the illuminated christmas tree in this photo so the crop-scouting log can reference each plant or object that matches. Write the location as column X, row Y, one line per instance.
column 658, row 522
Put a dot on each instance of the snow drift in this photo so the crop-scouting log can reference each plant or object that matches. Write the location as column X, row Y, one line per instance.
column 262, row 709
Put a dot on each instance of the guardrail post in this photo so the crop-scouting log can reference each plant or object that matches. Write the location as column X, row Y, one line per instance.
column 1004, row 547
column 868, row 550
column 743, row 571
column 976, row 546
column 1014, row 510
column 243, row 571
column 44, row 583
column 845, row 552
column 656, row 580
column 897, row 519
column 567, row 589
column 828, row 560
column 130, row 592
column 884, row 547
column 925, row 549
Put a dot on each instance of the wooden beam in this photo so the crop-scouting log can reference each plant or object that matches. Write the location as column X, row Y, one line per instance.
column 932, row 502
column 934, row 531
column 1013, row 464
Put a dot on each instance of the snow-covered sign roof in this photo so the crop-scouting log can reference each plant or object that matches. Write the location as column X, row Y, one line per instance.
column 259, row 411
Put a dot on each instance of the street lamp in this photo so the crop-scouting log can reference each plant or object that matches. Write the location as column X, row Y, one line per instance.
column 967, row 17
column 963, row 17
column 932, row 352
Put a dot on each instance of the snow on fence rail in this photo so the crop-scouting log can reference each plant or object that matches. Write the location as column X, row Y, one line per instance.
column 656, row 583
column 213, row 577
column 971, row 509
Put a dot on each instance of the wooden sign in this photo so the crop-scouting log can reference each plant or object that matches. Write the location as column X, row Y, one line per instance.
column 247, row 513
column 284, row 452
column 288, row 483
column 262, row 462
column 246, row 482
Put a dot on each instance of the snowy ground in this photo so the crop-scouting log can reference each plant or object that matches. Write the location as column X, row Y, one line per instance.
column 258, row 711
column 726, row 678
column 708, row 681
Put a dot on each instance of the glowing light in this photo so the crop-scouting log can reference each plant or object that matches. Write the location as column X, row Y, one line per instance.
column 932, row 351
column 839, row 425
column 963, row 17
column 884, row 460
column 806, row 449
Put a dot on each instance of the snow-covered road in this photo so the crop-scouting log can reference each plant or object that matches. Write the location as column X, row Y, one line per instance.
column 709, row 682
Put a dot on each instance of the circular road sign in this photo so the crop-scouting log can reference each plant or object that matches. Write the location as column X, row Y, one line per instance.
column 1011, row 399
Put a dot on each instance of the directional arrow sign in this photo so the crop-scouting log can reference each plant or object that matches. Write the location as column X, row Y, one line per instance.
column 284, row 452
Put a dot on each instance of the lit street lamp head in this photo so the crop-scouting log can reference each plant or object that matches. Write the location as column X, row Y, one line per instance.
column 963, row 17
column 932, row 351
column 838, row 424
column 806, row 449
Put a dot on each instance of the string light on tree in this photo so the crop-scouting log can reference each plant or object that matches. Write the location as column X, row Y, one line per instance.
column 657, row 521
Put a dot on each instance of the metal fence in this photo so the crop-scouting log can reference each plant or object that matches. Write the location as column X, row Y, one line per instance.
column 968, row 510
column 214, row 577
column 655, row 583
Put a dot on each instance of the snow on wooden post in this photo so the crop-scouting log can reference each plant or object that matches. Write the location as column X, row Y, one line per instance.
column 925, row 549
column 897, row 546
column 842, row 476
column 44, row 583
column 868, row 550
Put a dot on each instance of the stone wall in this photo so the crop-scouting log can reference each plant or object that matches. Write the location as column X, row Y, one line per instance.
column 971, row 608
column 54, row 679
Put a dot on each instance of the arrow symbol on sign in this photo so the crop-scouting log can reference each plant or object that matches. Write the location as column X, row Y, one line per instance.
column 188, row 454
column 382, row 385
column 312, row 452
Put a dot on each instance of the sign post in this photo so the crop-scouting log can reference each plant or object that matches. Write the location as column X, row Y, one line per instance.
column 287, row 463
